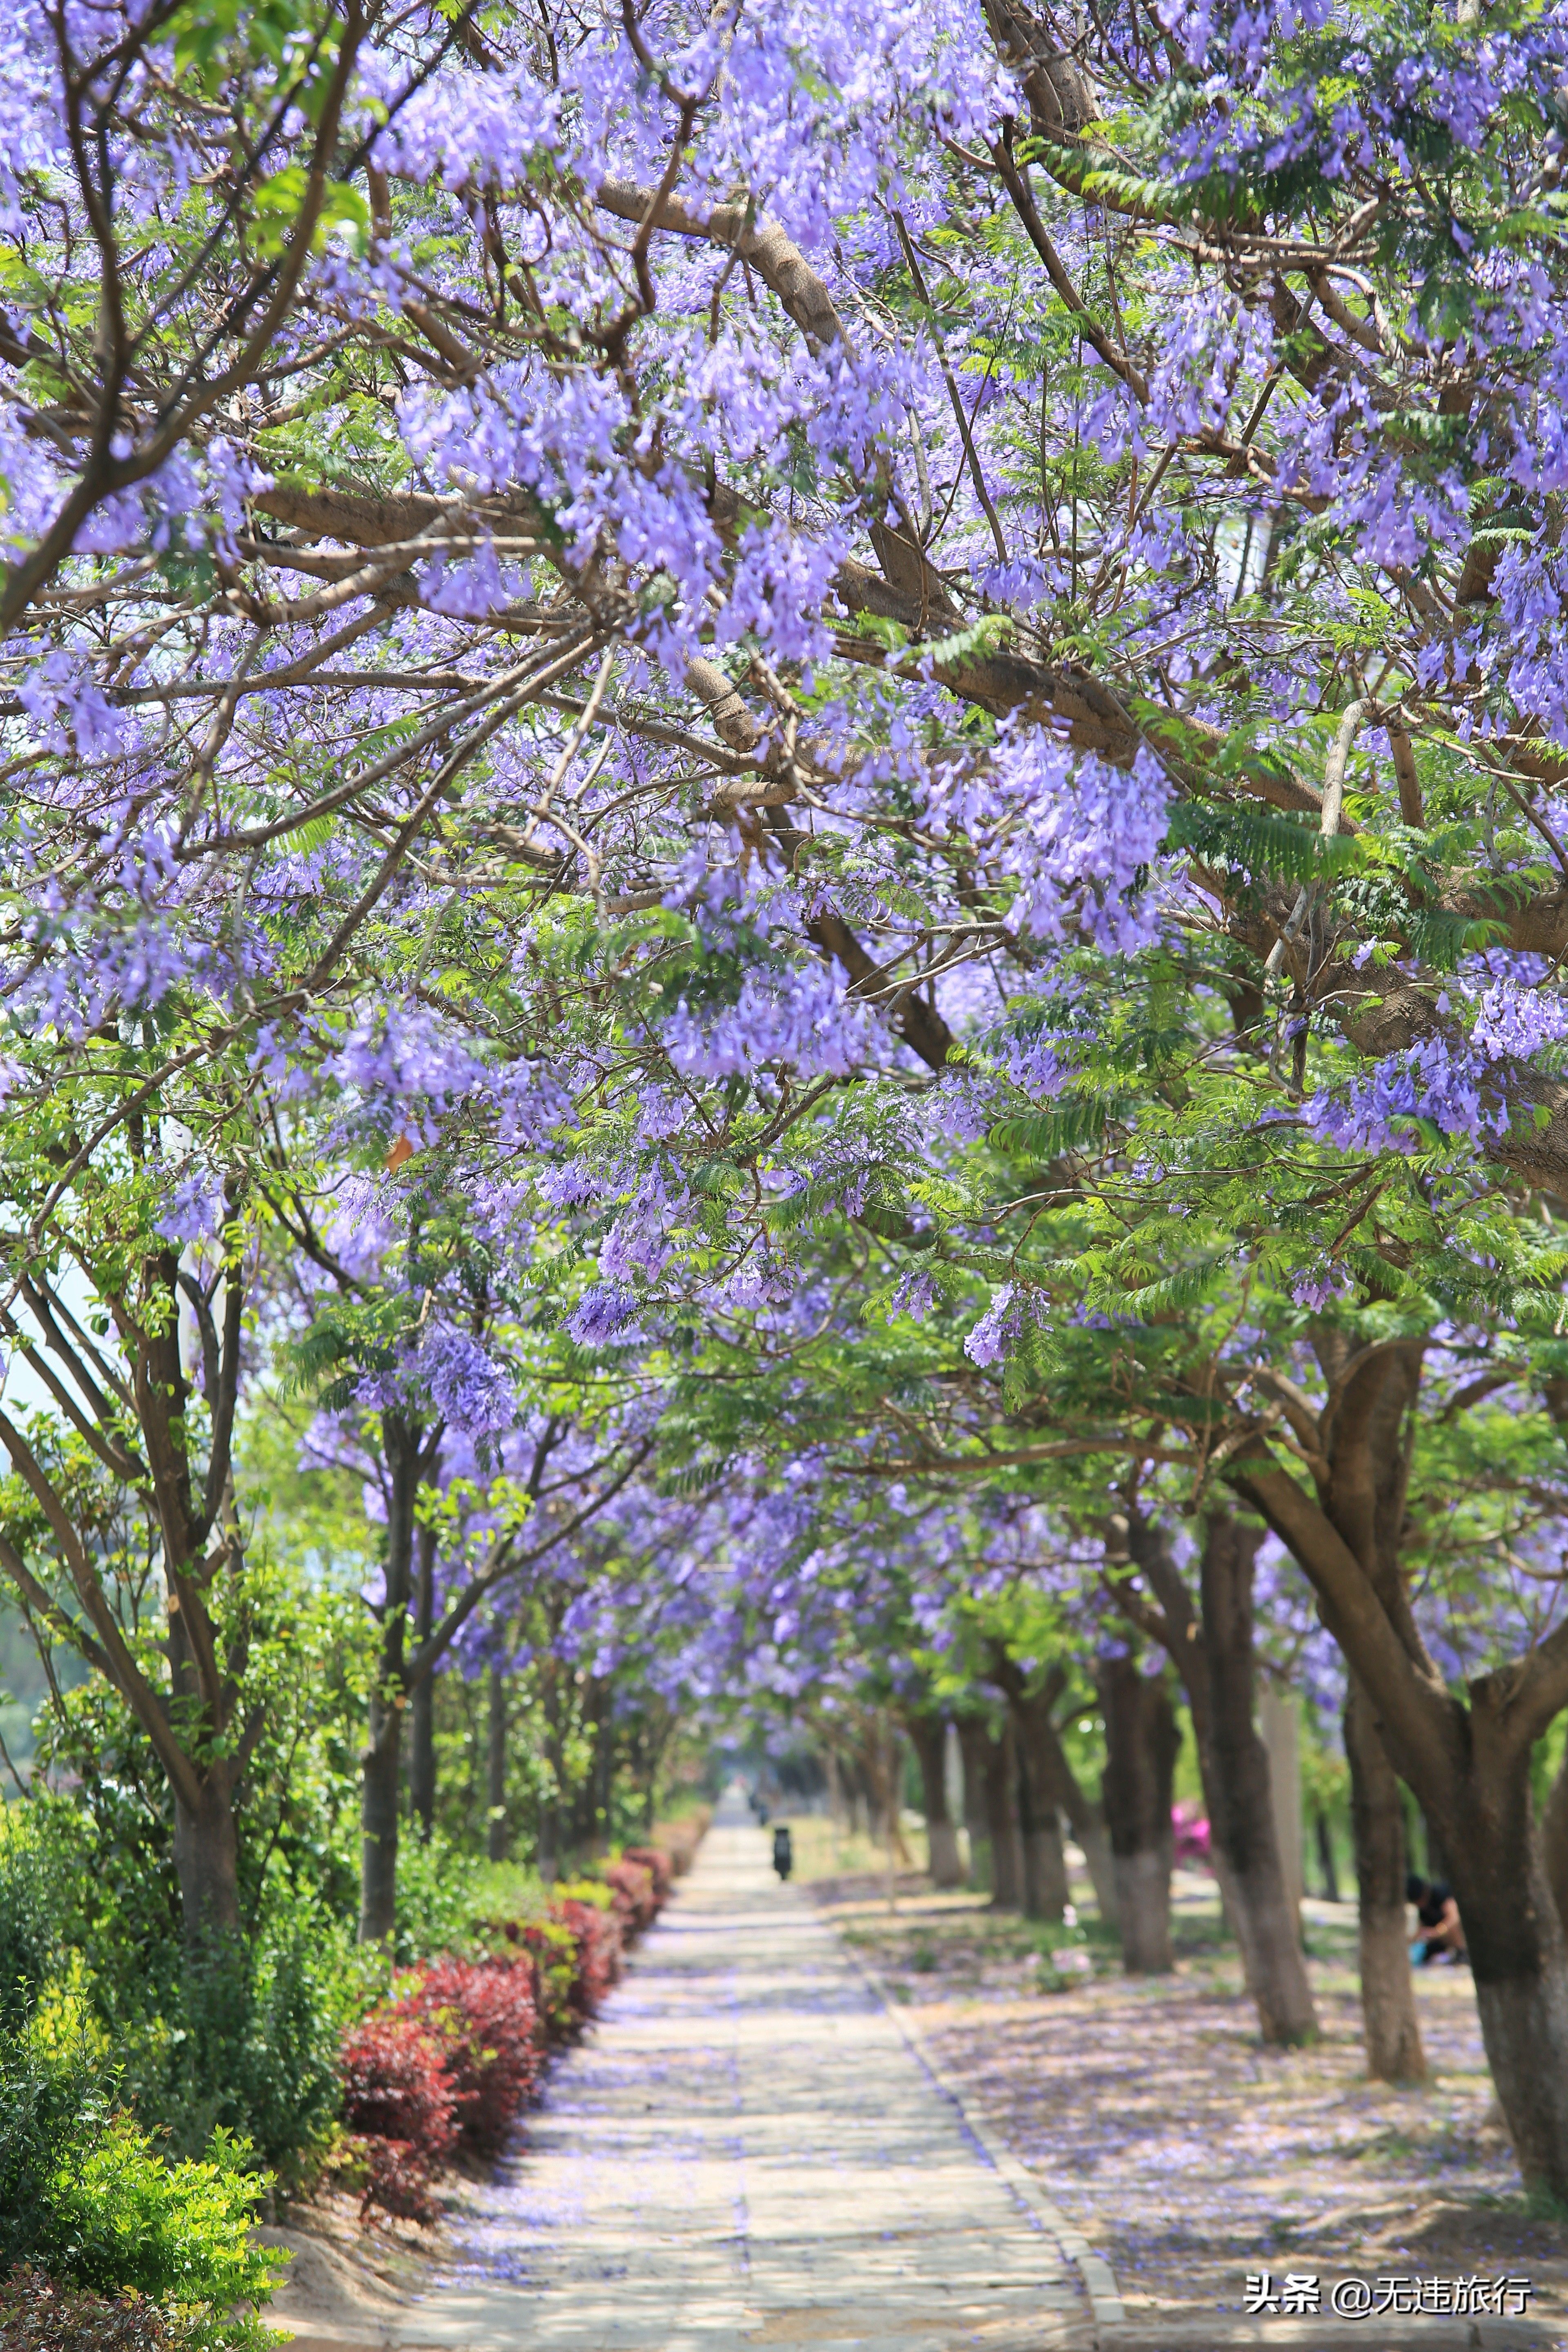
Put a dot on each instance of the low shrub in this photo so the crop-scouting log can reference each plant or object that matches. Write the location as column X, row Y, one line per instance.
column 596, row 1940
column 548, row 1948
column 51, row 2105
column 245, row 2038
column 27, row 1931
column 437, row 1889
column 180, row 2234
column 661, row 1863
column 680, row 1839
column 41, row 2313
column 400, row 2102
column 632, row 1894
column 92, row 2199
column 486, row 2019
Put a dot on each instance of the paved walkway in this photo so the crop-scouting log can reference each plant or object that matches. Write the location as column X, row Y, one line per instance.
column 747, row 2151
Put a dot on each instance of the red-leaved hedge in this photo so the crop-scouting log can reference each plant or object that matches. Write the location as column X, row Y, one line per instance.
column 400, row 2101
column 660, row 1864
column 633, row 1896
column 487, row 2019
column 457, row 2053
column 38, row 2313
column 597, row 1942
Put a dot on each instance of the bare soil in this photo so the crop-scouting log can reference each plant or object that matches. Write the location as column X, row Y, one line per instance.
column 348, row 2281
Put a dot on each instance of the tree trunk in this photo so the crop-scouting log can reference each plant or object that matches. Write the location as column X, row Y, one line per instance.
column 1039, row 1830
column 1518, row 1956
column 972, row 1741
column 422, row 1703
column 604, row 1779
column 383, row 1759
column 859, row 1804
column 550, row 1803
column 1001, row 1769
column 1141, row 1743
column 1057, row 1785
column 496, row 1833
column 1048, row 1787
column 1213, row 1653
column 882, row 1766
column 206, row 1860
column 1238, row 1791
column 1326, row 1860
column 928, row 1735
column 1393, row 2050
column 380, row 1775
column 206, row 1847
column 548, row 1841
column 1554, row 1839
column 1436, row 1853
column 1467, row 1759
column 1046, row 1888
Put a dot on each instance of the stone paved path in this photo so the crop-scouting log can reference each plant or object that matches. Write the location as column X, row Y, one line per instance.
column 746, row 2152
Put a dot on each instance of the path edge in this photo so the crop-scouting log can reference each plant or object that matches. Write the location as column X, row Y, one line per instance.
column 1098, row 2280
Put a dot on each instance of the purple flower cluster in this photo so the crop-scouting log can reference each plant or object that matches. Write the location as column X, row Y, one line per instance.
column 1378, row 1110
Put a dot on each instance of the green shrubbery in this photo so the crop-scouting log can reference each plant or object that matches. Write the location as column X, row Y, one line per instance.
column 123, row 2216
column 154, row 2093
column 160, row 2202
column 89, row 2198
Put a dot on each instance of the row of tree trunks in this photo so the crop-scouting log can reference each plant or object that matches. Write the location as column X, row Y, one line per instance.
column 1465, row 1757
column 1057, row 1785
column 1213, row 1648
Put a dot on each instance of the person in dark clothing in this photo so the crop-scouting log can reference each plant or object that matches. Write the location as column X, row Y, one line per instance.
column 784, row 1853
column 1442, row 1936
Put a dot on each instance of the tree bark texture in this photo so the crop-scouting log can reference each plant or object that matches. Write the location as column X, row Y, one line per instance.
column 1000, row 1764
column 1242, row 1816
column 1141, row 1743
column 928, row 1736
column 196, row 1723
column 1514, row 1935
column 1050, row 1789
column 973, row 1738
column 883, row 1763
column 1214, row 1652
column 1326, row 1860
column 206, row 1863
column 1057, row 1784
column 549, row 1802
column 1467, row 1759
column 1392, row 2030
column 1039, row 1826
column 380, row 1774
column 1554, row 1840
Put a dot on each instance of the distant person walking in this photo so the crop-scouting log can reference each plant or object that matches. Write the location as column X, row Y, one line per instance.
column 784, row 1852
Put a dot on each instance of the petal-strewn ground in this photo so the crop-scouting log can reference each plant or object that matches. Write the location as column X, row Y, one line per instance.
column 1187, row 2152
